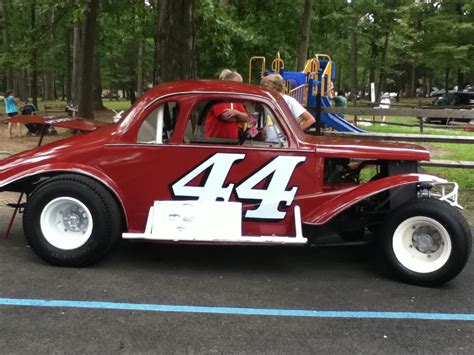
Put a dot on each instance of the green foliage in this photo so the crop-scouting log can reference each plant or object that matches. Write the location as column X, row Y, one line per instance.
column 464, row 177
column 122, row 25
column 229, row 36
column 427, row 37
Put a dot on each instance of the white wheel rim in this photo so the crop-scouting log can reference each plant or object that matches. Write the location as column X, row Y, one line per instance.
column 422, row 244
column 66, row 223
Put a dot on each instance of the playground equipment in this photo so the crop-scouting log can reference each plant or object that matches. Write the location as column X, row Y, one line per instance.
column 318, row 75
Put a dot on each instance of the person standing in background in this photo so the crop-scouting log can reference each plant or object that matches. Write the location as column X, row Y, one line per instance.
column 340, row 99
column 11, row 110
column 275, row 82
column 385, row 103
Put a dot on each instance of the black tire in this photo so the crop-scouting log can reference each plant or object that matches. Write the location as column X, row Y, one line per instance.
column 72, row 220
column 426, row 242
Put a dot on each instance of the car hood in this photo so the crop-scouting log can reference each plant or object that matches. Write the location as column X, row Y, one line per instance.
column 364, row 149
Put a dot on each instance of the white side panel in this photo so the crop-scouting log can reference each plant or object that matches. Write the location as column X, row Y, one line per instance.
column 197, row 219
column 206, row 221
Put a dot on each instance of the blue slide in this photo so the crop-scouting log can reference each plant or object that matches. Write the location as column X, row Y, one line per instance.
column 336, row 121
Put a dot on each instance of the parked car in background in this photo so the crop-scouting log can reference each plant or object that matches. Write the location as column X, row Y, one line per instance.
column 435, row 92
column 456, row 99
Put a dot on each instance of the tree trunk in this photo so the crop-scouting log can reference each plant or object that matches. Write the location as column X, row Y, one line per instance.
column 381, row 85
column 67, row 65
column 413, row 79
column 6, row 41
column 339, row 77
column 85, row 102
column 373, row 62
column 98, row 104
column 48, row 93
column 460, row 80
column 430, row 84
column 354, row 64
column 446, row 80
column 76, row 56
column 23, row 85
column 140, row 68
column 176, row 40
column 399, row 87
column 34, row 55
column 304, row 37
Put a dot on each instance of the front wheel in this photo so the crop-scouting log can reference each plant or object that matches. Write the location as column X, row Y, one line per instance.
column 71, row 220
column 426, row 242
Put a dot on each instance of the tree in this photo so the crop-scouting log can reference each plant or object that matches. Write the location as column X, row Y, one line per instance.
column 86, row 87
column 304, row 36
column 6, row 41
column 176, row 40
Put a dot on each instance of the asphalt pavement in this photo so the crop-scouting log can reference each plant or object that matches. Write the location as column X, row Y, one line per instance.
column 153, row 298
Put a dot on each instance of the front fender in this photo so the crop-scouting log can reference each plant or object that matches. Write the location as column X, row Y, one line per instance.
column 332, row 207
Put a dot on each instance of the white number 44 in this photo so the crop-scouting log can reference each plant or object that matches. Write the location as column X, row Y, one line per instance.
column 278, row 171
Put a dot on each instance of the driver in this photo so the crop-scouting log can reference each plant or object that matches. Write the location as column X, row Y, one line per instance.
column 224, row 119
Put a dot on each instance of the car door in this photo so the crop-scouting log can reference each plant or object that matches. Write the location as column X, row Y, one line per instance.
column 267, row 173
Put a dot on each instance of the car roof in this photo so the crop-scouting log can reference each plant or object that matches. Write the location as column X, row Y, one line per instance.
column 189, row 86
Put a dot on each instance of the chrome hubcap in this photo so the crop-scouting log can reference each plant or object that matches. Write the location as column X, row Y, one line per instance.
column 74, row 219
column 426, row 239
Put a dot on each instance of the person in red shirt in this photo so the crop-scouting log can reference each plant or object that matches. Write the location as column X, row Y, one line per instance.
column 224, row 119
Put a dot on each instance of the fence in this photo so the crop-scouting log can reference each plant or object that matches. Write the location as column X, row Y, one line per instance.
column 419, row 113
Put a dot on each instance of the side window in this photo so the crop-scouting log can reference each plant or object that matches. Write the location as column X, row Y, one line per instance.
column 207, row 125
column 268, row 130
column 159, row 125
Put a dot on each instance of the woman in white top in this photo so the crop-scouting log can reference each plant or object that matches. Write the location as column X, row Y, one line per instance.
column 275, row 82
column 385, row 103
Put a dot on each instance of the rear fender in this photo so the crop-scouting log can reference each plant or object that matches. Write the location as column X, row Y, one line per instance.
column 332, row 207
column 67, row 168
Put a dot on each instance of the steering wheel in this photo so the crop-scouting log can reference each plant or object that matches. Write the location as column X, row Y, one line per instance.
column 244, row 136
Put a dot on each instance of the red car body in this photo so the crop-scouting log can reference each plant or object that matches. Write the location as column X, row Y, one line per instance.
column 316, row 173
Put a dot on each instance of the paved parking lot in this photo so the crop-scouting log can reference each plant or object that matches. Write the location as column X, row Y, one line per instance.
column 148, row 298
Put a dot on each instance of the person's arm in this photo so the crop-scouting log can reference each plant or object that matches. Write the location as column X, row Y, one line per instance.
column 237, row 112
column 306, row 120
column 233, row 114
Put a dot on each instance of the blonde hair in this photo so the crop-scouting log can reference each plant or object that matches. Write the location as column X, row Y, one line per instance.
column 224, row 73
column 230, row 75
column 274, row 82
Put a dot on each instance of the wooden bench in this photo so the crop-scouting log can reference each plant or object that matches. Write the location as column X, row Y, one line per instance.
column 54, row 109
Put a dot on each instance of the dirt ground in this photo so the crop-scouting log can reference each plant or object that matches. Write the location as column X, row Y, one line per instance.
column 20, row 143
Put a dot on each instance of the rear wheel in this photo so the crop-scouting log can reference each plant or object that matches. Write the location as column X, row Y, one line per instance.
column 71, row 220
column 426, row 242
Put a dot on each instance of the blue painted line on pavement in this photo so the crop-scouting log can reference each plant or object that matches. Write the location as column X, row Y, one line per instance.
column 233, row 310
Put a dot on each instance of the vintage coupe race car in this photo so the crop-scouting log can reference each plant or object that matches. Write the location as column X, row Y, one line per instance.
column 156, row 175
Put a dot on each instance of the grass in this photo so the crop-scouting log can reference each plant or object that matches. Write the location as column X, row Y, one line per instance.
column 117, row 105
column 441, row 151
column 464, row 177
column 109, row 104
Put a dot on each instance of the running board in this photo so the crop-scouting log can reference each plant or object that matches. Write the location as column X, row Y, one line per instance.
column 230, row 240
column 184, row 221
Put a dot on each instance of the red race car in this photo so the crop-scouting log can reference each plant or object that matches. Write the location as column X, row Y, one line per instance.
column 165, row 173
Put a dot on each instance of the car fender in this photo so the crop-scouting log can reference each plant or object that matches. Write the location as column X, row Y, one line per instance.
column 332, row 207
column 67, row 168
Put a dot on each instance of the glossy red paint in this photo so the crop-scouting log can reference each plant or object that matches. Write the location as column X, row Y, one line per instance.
column 331, row 207
column 140, row 173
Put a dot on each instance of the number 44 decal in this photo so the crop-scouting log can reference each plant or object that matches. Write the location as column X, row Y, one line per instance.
column 278, row 172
